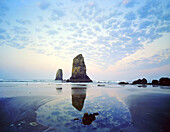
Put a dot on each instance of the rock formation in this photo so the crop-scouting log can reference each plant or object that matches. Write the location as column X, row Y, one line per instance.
column 59, row 75
column 79, row 70
column 164, row 81
column 123, row 83
column 139, row 81
column 155, row 82
column 88, row 119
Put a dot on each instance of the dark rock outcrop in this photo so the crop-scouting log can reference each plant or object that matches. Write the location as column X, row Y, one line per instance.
column 88, row 119
column 59, row 75
column 155, row 82
column 123, row 83
column 140, row 81
column 164, row 81
column 79, row 70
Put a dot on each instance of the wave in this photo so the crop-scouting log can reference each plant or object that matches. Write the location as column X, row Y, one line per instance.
column 34, row 80
column 51, row 81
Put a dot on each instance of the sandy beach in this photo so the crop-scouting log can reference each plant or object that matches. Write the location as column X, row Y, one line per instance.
column 18, row 113
column 53, row 107
column 150, row 113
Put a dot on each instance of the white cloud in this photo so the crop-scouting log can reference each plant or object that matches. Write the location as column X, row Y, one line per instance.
column 145, row 53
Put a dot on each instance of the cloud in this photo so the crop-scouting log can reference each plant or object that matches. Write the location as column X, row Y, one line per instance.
column 57, row 14
column 144, row 11
column 130, row 16
column 145, row 24
column 76, row 0
column 52, row 32
column 90, row 11
column 163, row 29
column 90, row 32
column 40, row 18
column 43, row 5
column 125, row 1
column 107, row 25
column 157, row 72
column 151, row 7
column 147, row 52
column 18, row 46
column 46, row 26
column 57, row 48
column 166, row 17
column 126, row 24
column 129, row 3
column 74, row 26
column 101, row 19
column 23, row 22
column 20, row 30
column 96, row 28
column 37, row 29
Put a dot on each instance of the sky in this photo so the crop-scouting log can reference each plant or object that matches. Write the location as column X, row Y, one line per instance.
column 119, row 39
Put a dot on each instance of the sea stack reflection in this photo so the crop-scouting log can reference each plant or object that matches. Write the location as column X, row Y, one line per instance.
column 78, row 97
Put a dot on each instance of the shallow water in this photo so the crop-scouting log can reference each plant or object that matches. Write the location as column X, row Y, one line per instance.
column 60, row 114
column 72, row 100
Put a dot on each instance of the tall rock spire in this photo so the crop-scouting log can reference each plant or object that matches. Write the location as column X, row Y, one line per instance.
column 59, row 75
column 79, row 70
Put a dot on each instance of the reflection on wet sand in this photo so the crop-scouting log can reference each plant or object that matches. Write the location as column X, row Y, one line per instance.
column 78, row 97
column 59, row 89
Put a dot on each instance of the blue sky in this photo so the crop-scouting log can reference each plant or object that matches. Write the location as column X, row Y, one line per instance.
column 120, row 39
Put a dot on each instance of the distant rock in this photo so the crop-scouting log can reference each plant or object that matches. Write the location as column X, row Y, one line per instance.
column 155, row 82
column 58, row 88
column 79, row 70
column 100, row 85
column 164, row 81
column 123, row 83
column 140, row 81
column 59, row 75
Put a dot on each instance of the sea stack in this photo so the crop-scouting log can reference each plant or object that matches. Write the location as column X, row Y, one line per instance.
column 79, row 70
column 59, row 75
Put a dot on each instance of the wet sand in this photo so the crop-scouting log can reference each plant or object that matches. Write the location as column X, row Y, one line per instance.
column 149, row 107
column 17, row 114
column 149, row 113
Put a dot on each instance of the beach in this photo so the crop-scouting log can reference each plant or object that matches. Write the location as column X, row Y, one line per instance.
column 55, row 106
column 150, row 112
column 17, row 113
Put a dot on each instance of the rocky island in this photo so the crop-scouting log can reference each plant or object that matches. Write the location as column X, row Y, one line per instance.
column 79, row 70
column 164, row 81
column 59, row 75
